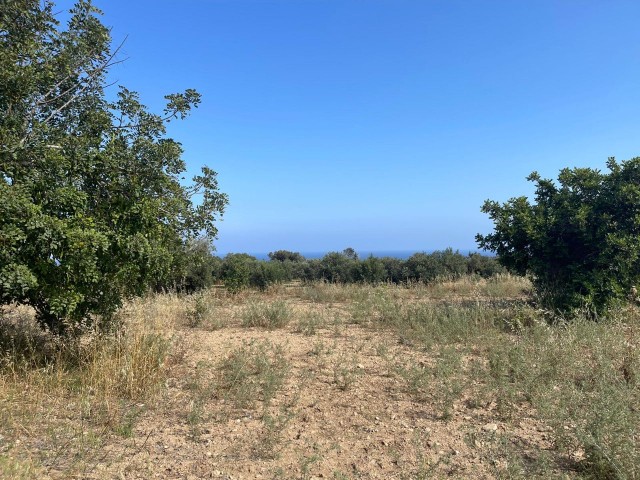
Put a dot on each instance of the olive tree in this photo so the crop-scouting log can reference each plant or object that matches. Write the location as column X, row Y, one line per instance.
column 579, row 239
column 92, row 206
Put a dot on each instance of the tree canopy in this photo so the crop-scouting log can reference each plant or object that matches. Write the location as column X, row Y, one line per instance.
column 579, row 239
column 92, row 204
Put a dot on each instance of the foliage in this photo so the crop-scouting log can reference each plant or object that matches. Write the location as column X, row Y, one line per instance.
column 236, row 271
column 579, row 239
column 427, row 267
column 372, row 270
column 285, row 255
column 266, row 315
column 194, row 267
column 339, row 267
column 92, row 209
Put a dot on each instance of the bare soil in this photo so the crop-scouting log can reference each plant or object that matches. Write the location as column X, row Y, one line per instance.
column 342, row 414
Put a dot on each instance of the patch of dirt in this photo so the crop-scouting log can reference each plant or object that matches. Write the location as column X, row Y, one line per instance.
column 343, row 413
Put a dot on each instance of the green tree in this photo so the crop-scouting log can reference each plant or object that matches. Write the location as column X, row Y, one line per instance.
column 237, row 271
column 483, row 265
column 422, row 267
column 91, row 201
column 194, row 267
column 579, row 239
column 285, row 255
column 372, row 270
column 339, row 267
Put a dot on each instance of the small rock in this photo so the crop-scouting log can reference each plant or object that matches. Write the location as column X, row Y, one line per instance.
column 360, row 366
column 490, row 427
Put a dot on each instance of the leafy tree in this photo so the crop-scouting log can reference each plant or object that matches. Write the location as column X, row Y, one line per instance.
column 339, row 267
column 579, row 239
column 483, row 265
column 237, row 270
column 350, row 253
column 394, row 269
column 372, row 270
column 92, row 208
column 421, row 267
column 313, row 270
column 195, row 267
column 285, row 255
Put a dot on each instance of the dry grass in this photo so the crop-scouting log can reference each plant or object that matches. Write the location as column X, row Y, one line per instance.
column 62, row 400
column 456, row 378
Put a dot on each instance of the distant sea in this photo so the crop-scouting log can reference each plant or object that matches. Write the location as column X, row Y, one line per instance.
column 401, row 254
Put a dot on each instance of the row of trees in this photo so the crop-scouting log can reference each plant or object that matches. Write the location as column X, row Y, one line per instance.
column 237, row 271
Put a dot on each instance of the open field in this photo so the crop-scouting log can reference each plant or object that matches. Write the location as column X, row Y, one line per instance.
column 456, row 379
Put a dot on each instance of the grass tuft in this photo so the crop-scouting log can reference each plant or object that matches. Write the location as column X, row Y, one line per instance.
column 272, row 315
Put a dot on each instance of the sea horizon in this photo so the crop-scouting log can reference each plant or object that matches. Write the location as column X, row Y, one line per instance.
column 399, row 254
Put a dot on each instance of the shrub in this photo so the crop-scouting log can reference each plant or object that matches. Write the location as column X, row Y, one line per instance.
column 92, row 204
column 580, row 239
column 266, row 315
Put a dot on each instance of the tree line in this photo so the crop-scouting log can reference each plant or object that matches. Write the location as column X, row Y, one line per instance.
column 201, row 269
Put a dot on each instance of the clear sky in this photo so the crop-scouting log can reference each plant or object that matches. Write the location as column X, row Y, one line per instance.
column 383, row 124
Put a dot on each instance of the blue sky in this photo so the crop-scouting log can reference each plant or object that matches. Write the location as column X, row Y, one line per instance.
column 383, row 124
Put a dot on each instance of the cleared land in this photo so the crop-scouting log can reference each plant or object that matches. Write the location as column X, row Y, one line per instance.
column 455, row 379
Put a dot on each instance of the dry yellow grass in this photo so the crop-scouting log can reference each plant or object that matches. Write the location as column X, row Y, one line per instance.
column 456, row 378
column 61, row 400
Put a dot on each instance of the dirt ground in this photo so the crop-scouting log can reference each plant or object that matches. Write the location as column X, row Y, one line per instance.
column 341, row 413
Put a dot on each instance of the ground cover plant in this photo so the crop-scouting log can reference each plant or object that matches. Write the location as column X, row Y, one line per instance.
column 448, row 379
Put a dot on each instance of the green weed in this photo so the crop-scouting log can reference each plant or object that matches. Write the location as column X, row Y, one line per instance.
column 266, row 315
column 253, row 372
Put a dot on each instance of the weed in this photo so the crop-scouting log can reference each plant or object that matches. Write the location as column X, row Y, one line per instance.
column 253, row 372
column 128, row 421
column 203, row 313
column 266, row 315
column 310, row 322
column 71, row 395
column 345, row 372
column 269, row 442
column 318, row 348
column 448, row 374
column 306, row 463
column 16, row 469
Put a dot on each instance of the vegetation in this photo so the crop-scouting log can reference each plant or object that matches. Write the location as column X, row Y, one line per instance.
column 579, row 239
column 239, row 271
column 358, row 360
column 387, row 370
column 92, row 208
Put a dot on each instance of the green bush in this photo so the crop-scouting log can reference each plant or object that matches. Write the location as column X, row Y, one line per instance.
column 236, row 271
column 92, row 205
column 579, row 239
